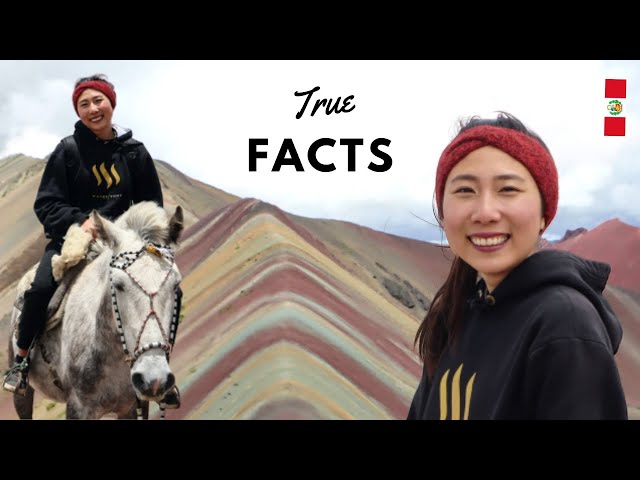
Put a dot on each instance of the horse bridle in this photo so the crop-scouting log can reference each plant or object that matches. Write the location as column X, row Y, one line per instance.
column 161, row 251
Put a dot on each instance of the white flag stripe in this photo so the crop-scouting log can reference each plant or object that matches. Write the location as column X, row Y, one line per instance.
column 616, row 107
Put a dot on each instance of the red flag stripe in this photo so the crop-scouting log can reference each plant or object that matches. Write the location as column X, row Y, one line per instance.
column 615, row 88
column 614, row 126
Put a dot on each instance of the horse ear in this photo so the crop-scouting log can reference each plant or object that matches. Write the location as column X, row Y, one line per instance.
column 104, row 229
column 176, row 224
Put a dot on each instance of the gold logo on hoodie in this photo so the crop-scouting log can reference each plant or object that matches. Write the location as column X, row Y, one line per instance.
column 456, row 408
column 105, row 175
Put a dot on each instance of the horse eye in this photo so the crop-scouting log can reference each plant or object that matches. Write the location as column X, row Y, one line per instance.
column 119, row 287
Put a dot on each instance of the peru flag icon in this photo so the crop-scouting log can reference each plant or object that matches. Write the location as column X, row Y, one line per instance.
column 615, row 94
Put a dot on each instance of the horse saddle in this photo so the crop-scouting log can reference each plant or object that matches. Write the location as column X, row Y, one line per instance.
column 65, row 267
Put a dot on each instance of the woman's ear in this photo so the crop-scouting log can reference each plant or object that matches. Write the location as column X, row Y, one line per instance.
column 542, row 225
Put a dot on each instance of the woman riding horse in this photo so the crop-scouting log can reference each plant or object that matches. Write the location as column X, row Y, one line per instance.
column 100, row 167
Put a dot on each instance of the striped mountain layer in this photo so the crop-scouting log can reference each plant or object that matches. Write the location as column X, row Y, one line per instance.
column 282, row 326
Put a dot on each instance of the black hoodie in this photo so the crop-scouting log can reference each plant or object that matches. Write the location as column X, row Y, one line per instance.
column 109, row 177
column 541, row 346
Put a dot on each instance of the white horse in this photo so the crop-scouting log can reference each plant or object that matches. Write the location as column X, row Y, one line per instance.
column 110, row 353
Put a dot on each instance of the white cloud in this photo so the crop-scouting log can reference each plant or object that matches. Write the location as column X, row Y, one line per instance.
column 30, row 141
column 625, row 198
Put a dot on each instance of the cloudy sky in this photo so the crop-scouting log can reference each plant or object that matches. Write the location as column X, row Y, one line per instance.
column 200, row 115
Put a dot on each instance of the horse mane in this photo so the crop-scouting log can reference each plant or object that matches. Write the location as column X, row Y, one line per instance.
column 148, row 220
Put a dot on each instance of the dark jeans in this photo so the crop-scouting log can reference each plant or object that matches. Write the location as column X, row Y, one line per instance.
column 37, row 298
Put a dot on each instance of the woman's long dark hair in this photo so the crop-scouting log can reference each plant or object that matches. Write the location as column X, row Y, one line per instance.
column 441, row 323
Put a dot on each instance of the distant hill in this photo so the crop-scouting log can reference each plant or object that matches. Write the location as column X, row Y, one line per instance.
column 613, row 242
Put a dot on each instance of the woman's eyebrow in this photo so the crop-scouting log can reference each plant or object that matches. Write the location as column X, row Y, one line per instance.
column 509, row 176
column 92, row 98
column 464, row 176
column 473, row 178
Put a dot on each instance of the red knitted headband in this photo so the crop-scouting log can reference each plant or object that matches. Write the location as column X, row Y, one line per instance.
column 522, row 147
column 96, row 85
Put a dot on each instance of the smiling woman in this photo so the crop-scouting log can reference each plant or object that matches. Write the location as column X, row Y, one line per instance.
column 94, row 99
column 515, row 332
column 494, row 206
